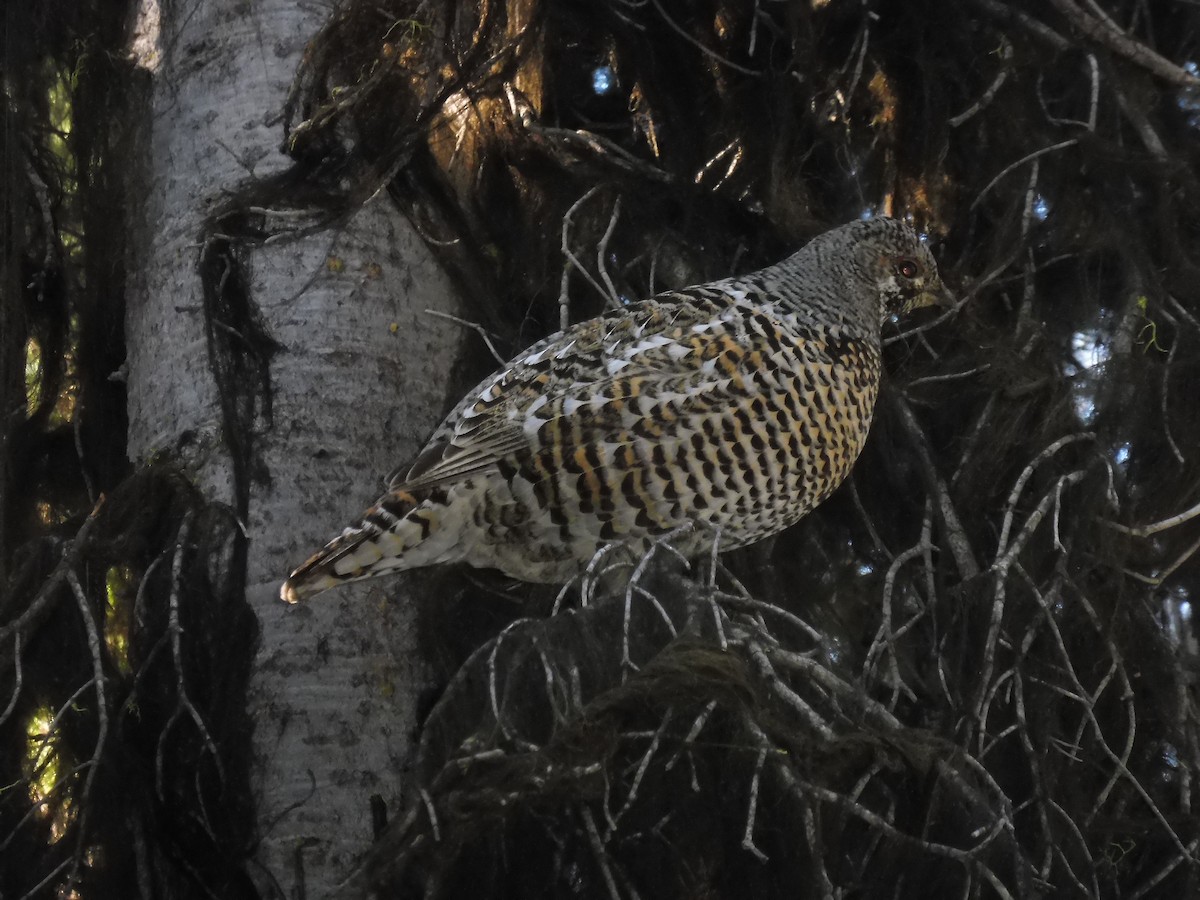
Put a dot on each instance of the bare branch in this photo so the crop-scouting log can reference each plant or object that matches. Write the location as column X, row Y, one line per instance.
column 1155, row 527
column 1104, row 31
column 474, row 326
column 614, row 298
column 1006, row 54
column 1061, row 145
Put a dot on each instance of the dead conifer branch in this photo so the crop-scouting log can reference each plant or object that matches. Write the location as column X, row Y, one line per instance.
column 1104, row 31
column 38, row 607
column 1155, row 527
column 614, row 299
column 98, row 678
column 1006, row 54
column 474, row 326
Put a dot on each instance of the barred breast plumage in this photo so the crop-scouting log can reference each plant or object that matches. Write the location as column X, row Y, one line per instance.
column 739, row 404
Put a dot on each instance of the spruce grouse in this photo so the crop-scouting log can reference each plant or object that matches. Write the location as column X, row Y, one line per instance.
column 739, row 404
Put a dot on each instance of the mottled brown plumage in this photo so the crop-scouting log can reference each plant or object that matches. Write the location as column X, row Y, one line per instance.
column 739, row 404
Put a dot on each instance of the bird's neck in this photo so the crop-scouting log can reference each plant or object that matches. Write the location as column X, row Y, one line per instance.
column 810, row 304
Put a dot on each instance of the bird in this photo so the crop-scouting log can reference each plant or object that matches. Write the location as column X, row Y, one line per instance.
column 736, row 406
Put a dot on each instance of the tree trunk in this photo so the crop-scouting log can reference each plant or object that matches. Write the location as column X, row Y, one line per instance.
column 355, row 391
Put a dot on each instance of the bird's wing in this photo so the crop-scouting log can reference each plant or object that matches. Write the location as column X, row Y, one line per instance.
column 674, row 344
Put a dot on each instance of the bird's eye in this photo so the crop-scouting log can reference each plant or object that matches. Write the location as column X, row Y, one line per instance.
column 908, row 268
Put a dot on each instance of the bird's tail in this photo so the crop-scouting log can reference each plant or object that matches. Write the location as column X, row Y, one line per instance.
column 375, row 546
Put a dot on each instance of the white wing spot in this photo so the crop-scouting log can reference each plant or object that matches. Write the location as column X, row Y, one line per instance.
column 651, row 343
column 678, row 351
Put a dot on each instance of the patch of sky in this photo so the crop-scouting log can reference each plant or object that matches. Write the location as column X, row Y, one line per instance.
column 1041, row 208
column 1089, row 349
column 1084, row 402
column 1189, row 97
column 866, row 214
column 1176, row 618
column 604, row 79
column 1121, row 454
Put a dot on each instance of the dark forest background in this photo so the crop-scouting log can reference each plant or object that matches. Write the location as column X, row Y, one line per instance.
column 971, row 673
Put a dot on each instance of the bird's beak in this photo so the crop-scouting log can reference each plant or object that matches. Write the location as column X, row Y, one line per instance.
column 940, row 296
column 933, row 295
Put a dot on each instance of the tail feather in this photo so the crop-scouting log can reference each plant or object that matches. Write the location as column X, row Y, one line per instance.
column 374, row 546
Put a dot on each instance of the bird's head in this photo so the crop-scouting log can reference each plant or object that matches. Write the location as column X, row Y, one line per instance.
column 899, row 267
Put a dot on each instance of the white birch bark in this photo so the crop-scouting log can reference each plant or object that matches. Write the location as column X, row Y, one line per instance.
column 356, row 389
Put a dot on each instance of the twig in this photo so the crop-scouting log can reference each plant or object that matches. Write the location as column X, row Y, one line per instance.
column 1006, row 53
column 956, row 534
column 708, row 51
column 89, row 623
column 1187, row 856
column 787, row 695
column 602, row 251
column 1002, row 564
column 12, row 703
column 49, row 233
column 1034, row 26
column 54, row 873
column 1156, row 580
column 433, row 819
column 1156, row 527
column 604, row 149
column 868, row 708
column 1094, row 65
column 77, row 429
column 748, row 834
column 1023, row 478
column 1061, row 145
column 564, row 309
column 1081, row 847
column 949, row 376
column 1104, row 31
column 475, row 326
column 183, row 700
column 662, row 542
column 967, row 857
column 493, row 691
column 1141, row 123
column 641, row 770
column 70, row 558
column 884, row 637
column 601, row 856
column 1165, row 395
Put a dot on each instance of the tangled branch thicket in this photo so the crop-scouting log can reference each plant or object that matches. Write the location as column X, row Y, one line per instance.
column 970, row 673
